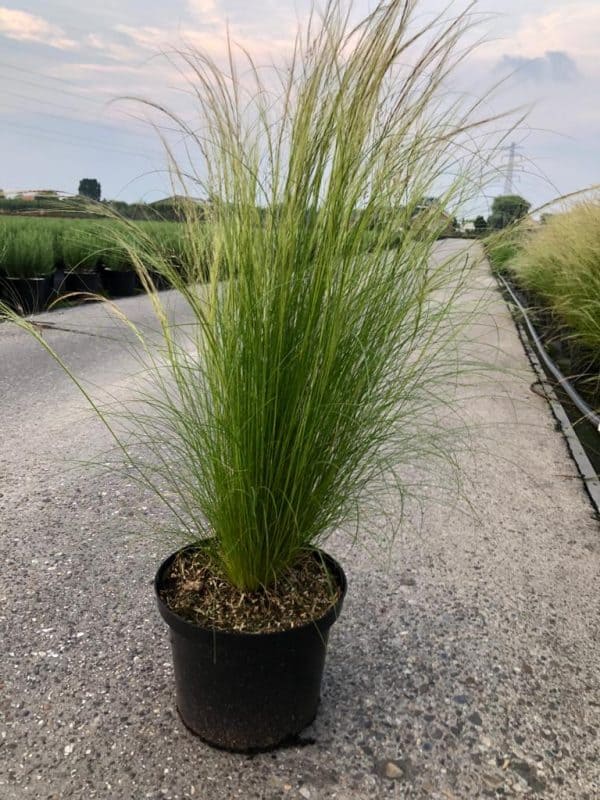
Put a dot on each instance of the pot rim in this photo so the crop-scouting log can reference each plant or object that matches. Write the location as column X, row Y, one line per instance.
column 24, row 278
column 191, row 629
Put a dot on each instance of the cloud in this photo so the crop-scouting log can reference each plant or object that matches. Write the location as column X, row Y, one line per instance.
column 555, row 66
column 146, row 37
column 107, row 47
column 205, row 10
column 273, row 28
column 25, row 27
column 143, row 41
column 106, row 69
column 570, row 28
column 209, row 37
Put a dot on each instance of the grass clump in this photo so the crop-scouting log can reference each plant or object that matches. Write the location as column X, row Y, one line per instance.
column 560, row 263
column 26, row 253
column 83, row 246
column 502, row 247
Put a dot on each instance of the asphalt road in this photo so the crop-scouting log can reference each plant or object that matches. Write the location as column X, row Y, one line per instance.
column 468, row 658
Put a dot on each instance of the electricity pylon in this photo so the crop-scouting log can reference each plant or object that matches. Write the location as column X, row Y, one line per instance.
column 510, row 172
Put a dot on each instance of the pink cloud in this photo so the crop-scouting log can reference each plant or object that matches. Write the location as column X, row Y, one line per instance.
column 205, row 11
column 25, row 27
column 145, row 37
column 573, row 29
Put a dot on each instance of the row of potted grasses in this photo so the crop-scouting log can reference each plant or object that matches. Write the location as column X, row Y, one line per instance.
column 34, row 247
column 558, row 263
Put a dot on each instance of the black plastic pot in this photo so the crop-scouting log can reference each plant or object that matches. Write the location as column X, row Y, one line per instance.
column 28, row 295
column 248, row 692
column 89, row 282
column 120, row 283
column 160, row 282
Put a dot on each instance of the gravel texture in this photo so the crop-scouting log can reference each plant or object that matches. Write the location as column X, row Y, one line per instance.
column 466, row 665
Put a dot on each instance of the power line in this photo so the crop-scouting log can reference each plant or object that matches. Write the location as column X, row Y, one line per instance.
column 72, row 140
column 39, row 100
column 56, row 136
column 38, row 74
column 96, row 123
column 94, row 101
column 51, row 89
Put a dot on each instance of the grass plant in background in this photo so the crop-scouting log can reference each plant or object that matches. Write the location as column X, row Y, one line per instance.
column 560, row 263
column 83, row 246
column 503, row 246
column 318, row 354
column 27, row 253
column 76, row 244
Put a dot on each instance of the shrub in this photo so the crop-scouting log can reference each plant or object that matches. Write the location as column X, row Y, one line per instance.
column 506, row 210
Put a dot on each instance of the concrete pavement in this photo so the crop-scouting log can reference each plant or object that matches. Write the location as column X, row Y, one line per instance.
column 466, row 667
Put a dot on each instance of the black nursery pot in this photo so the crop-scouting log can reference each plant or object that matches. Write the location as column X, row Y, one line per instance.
column 89, row 282
column 30, row 295
column 160, row 282
column 248, row 692
column 120, row 283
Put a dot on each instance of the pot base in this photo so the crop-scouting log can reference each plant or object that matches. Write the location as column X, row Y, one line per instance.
column 292, row 740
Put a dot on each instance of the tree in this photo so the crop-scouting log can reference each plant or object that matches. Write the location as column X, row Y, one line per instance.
column 507, row 209
column 90, row 187
column 480, row 224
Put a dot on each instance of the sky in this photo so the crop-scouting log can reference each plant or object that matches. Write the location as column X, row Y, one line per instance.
column 65, row 67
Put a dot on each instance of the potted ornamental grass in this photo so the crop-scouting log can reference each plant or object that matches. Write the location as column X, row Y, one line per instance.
column 26, row 265
column 119, row 277
column 322, row 338
column 82, row 248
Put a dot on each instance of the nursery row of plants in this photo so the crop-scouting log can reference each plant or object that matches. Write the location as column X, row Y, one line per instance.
column 558, row 264
column 55, row 206
column 555, row 268
column 43, row 258
column 32, row 248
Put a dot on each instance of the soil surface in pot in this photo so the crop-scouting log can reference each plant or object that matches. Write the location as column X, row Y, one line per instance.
column 197, row 590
